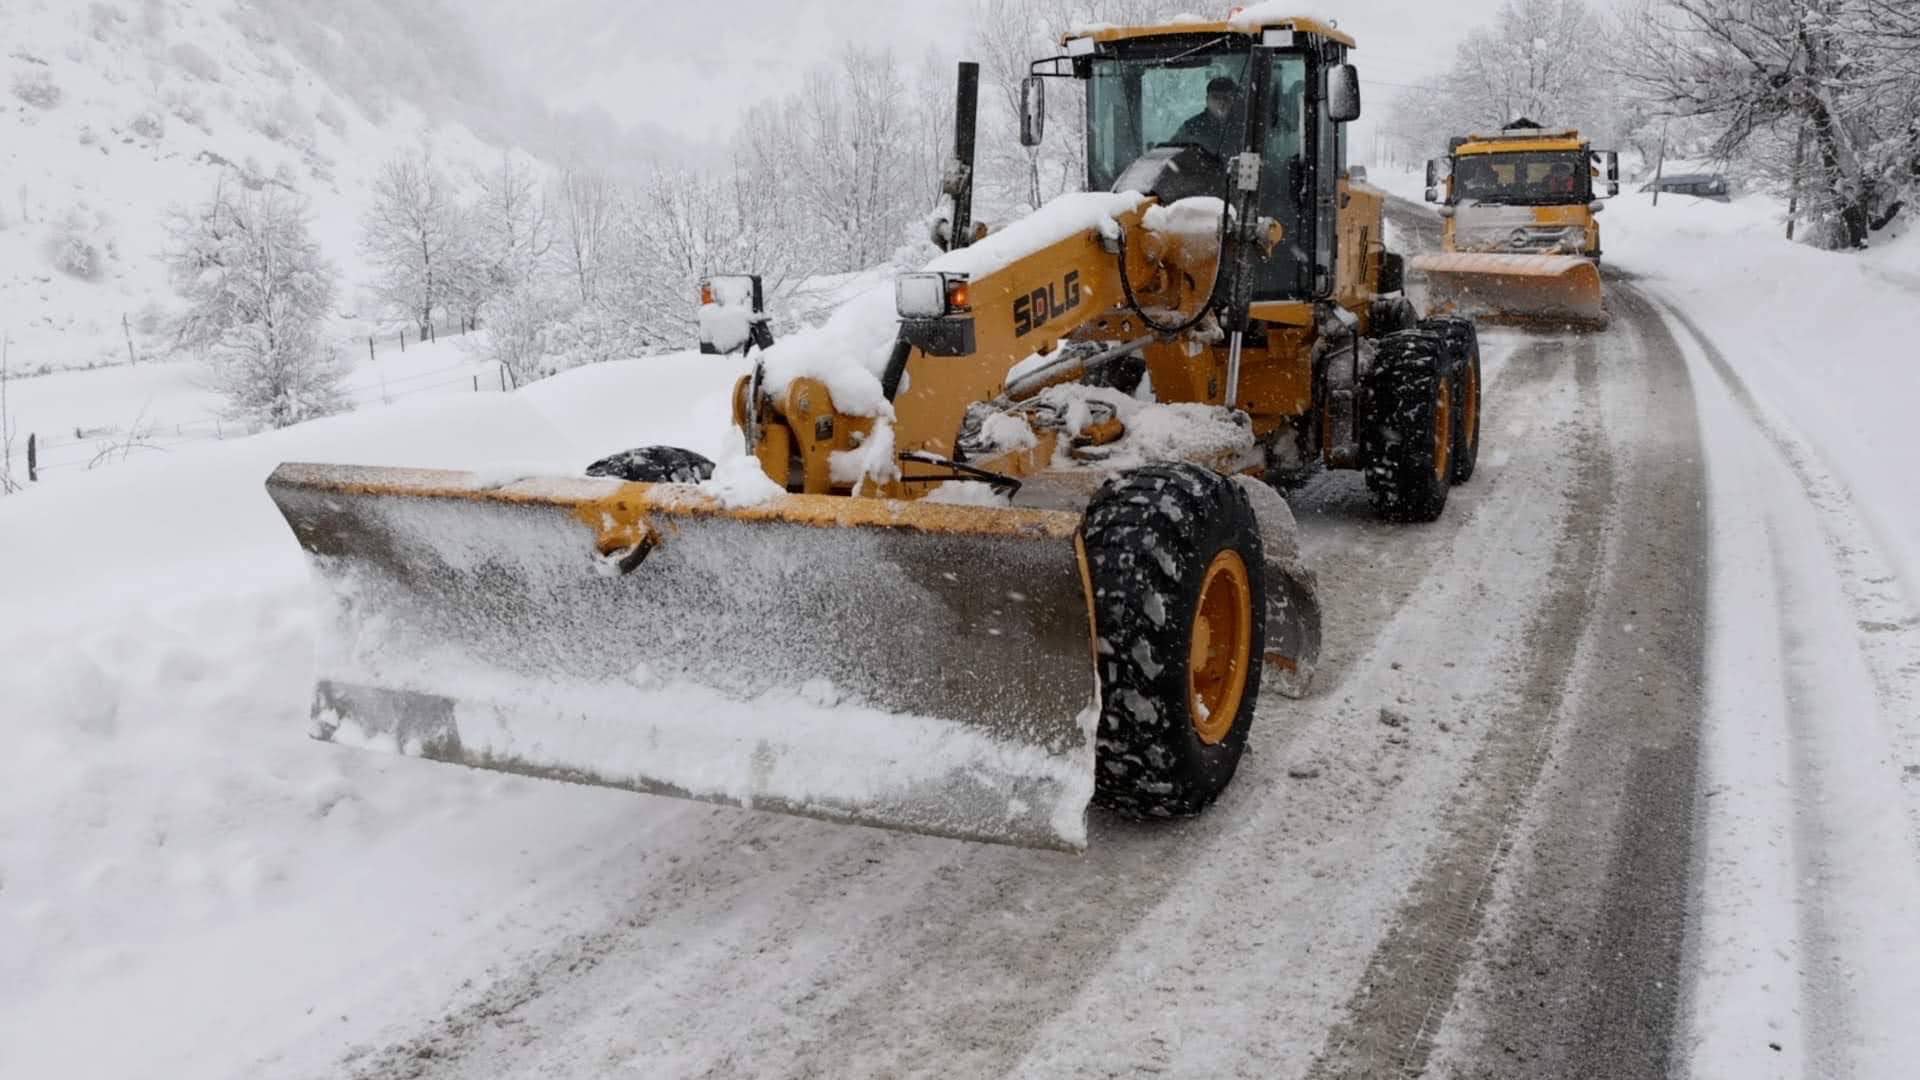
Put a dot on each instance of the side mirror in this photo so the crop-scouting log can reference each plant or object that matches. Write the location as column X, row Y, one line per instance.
column 1033, row 110
column 1433, row 194
column 1343, row 94
column 732, row 312
column 1606, row 164
column 1433, row 173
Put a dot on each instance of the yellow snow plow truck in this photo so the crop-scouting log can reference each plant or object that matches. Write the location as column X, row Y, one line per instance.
column 1521, row 238
column 994, row 542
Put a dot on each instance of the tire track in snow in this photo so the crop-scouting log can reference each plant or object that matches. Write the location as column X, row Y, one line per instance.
column 1577, row 973
column 1886, row 608
column 1410, row 980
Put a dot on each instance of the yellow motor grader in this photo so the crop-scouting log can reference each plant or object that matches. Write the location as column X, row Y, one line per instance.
column 997, row 542
column 1521, row 237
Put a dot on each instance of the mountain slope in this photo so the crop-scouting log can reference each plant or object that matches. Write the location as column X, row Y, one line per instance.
column 110, row 112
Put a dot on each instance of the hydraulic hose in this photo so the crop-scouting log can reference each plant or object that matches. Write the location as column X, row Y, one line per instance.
column 1133, row 301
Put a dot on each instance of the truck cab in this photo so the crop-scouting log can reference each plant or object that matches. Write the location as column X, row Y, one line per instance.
column 1526, row 190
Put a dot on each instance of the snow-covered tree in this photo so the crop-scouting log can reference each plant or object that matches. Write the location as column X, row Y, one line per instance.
column 257, row 292
column 1821, row 94
column 1543, row 60
column 842, row 143
column 510, row 221
column 585, row 212
column 1008, row 35
column 415, row 234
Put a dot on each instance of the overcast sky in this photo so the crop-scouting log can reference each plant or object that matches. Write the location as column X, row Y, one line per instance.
column 693, row 68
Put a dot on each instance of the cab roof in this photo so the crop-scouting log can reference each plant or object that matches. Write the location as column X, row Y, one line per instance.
column 1249, row 23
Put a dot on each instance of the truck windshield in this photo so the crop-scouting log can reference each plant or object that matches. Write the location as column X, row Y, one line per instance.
column 1523, row 179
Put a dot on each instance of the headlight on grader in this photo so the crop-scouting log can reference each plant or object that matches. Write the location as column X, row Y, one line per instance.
column 932, row 296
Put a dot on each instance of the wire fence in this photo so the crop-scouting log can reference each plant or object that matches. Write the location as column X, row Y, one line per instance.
column 145, row 351
column 92, row 447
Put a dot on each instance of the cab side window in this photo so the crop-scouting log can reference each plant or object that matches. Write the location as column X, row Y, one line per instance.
column 1287, row 273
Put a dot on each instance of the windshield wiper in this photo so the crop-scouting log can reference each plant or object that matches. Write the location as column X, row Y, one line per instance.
column 1197, row 48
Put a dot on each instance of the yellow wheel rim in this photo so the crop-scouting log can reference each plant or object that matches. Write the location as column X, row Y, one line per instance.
column 1443, row 429
column 1221, row 651
column 1471, row 407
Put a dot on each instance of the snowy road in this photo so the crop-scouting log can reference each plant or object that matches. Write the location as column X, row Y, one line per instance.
column 1613, row 771
column 1472, row 841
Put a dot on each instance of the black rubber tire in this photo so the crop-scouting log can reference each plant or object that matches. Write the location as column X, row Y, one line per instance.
column 1397, row 440
column 654, row 465
column 1150, row 536
column 1463, row 362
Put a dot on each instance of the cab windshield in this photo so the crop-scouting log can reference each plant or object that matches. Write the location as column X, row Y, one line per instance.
column 1159, row 96
column 1522, row 179
column 1186, row 92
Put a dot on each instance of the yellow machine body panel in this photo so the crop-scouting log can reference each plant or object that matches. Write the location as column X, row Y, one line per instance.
column 1081, row 281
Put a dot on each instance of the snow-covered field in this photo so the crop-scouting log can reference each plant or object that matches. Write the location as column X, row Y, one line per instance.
column 164, row 824
column 91, row 419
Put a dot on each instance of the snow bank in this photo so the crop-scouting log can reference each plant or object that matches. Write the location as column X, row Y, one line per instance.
column 1822, row 339
column 88, row 419
column 165, row 825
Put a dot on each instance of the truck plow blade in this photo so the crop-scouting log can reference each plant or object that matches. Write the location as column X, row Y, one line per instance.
column 1522, row 288
column 911, row 666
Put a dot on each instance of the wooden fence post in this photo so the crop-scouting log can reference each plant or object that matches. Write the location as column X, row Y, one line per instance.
column 371, row 358
column 403, row 339
column 33, row 458
column 476, row 384
column 132, row 358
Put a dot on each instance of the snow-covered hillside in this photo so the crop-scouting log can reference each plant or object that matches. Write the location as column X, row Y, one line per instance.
column 110, row 112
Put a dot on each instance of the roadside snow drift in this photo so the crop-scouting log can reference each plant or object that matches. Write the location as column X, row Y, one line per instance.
column 162, row 811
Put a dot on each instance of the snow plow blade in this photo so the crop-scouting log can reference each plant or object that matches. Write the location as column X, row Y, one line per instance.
column 1521, row 288
column 912, row 666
